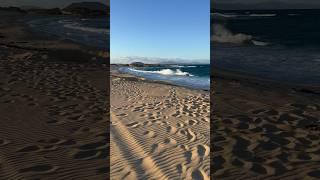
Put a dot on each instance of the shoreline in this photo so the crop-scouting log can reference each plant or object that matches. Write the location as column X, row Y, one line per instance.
column 276, row 85
column 115, row 72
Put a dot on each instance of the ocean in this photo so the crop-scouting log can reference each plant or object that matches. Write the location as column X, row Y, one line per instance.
column 281, row 45
column 191, row 76
column 93, row 32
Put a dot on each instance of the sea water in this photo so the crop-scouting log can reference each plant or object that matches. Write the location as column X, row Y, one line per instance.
column 92, row 32
column 281, row 45
column 191, row 76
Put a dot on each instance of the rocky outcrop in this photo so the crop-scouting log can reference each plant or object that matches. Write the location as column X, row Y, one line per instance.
column 87, row 9
column 12, row 9
column 54, row 11
column 137, row 64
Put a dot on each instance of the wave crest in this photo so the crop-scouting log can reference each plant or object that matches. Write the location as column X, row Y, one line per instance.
column 77, row 26
column 223, row 35
column 177, row 72
column 87, row 29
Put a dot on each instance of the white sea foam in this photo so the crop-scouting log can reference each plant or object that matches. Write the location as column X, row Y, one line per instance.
column 225, row 15
column 259, row 43
column 77, row 26
column 177, row 72
column 223, row 35
column 176, row 77
column 262, row 15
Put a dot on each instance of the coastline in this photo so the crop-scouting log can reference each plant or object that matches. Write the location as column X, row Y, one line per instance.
column 116, row 73
column 166, row 80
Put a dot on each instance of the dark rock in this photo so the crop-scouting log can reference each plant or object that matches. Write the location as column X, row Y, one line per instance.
column 137, row 64
column 53, row 11
column 87, row 9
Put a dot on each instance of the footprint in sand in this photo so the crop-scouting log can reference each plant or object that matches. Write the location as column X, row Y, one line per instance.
column 258, row 111
column 122, row 115
column 27, row 149
column 181, row 168
column 197, row 154
column 199, row 174
column 39, row 169
column 90, row 154
column 170, row 141
column 180, row 125
column 192, row 122
column 93, row 146
column 149, row 134
column 191, row 136
column 133, row 125
column 171, row 129
column 60, row 142
column 184, row 147
column 203, row 151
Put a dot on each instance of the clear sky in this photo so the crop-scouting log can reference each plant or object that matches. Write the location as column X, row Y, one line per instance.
column 163, row 29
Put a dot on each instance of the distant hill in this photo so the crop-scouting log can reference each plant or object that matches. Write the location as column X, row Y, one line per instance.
column 53, row 11
column 137, row 64
column 12, row 9
column 87, row 9
column 84, row 9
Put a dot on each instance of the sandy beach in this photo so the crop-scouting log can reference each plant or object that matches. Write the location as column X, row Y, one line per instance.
column 53, row 96
column 264, row 130
column 158, row 131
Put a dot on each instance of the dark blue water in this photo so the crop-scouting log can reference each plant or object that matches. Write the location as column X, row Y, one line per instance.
column 192, row 76
column 92, row 32
column 274, row 44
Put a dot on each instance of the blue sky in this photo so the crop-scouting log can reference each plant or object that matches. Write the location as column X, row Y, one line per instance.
column 160, row 29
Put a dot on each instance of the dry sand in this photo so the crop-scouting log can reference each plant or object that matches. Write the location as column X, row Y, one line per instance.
column 158, row 131
column 53, row 121
column 264, row 130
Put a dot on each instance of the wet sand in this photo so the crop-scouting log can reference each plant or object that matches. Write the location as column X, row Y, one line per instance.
column 264, row 130
column 53, row 101
column 158, row 131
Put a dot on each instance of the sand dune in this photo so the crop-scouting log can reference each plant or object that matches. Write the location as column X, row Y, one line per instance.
column 158, row 131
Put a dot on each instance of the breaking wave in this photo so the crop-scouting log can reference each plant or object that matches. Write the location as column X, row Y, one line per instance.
column 77, row 26
column 176, row 77
column 223, row 35
column 177, row 72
